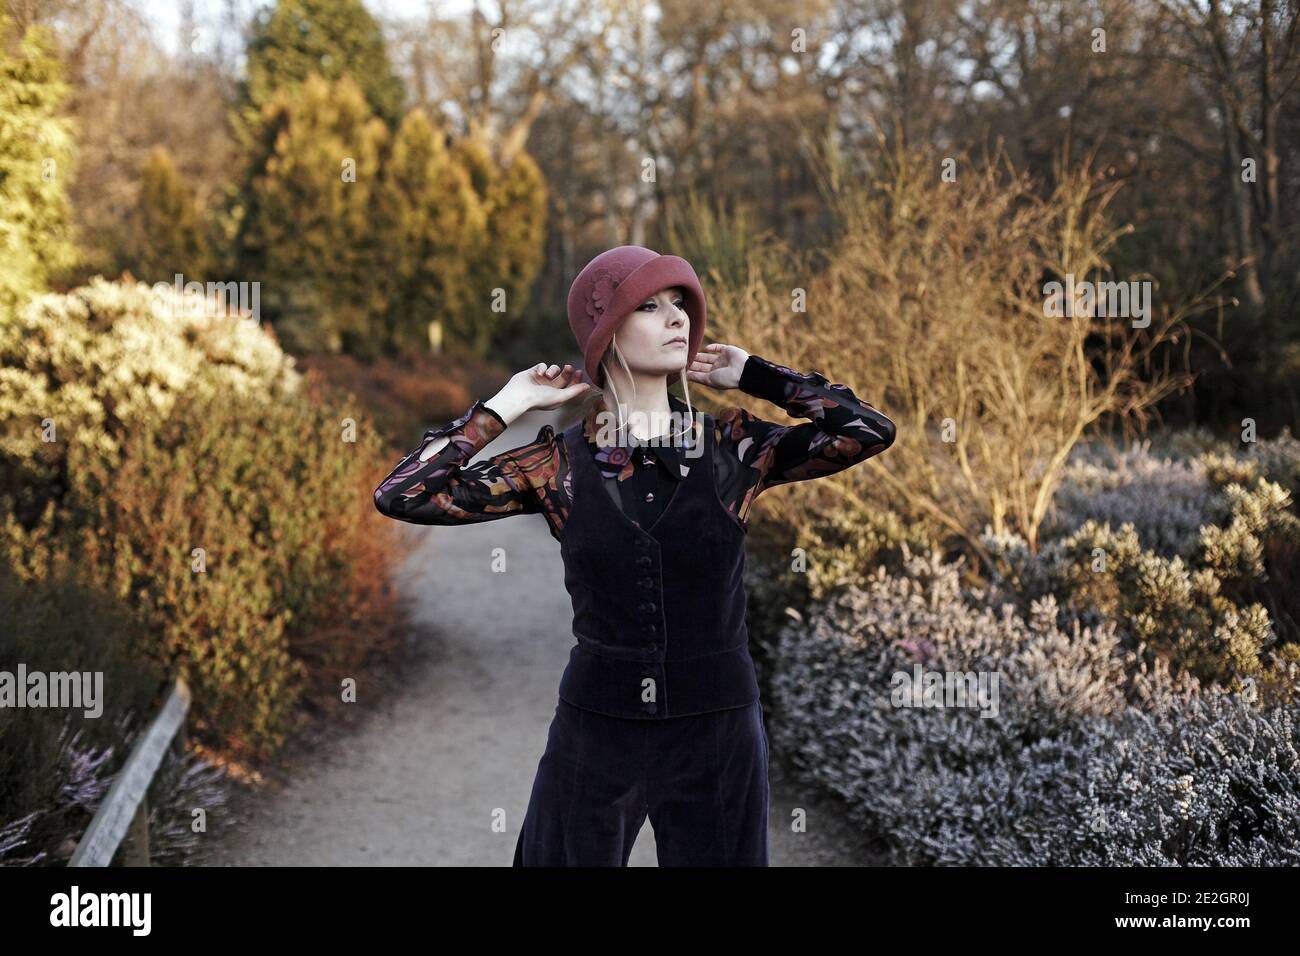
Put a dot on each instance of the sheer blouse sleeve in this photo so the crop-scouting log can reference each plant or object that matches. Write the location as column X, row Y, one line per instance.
column 432, row 484
column 842, row 429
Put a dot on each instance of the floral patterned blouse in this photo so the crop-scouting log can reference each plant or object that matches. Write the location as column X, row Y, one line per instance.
column 751, row 455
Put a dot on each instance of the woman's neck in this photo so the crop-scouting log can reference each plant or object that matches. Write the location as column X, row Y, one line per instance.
column 645, row 413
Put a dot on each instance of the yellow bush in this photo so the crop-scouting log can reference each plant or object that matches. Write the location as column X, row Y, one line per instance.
column 203, row 483
column 84, row 368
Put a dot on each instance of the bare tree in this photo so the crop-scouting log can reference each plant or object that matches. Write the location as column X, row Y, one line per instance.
column 1246, row 57
column 459, row 66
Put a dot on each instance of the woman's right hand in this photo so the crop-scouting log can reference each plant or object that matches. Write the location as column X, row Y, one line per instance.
column 542, row 386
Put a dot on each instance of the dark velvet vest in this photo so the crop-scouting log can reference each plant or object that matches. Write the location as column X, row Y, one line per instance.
column 658, row 613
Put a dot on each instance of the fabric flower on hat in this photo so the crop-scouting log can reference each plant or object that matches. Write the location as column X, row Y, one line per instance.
column 603, row 285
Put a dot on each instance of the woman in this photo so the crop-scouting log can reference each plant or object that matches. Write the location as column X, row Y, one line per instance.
column 658, row 712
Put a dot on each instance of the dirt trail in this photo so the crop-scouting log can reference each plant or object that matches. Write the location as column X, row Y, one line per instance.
column 420, row 780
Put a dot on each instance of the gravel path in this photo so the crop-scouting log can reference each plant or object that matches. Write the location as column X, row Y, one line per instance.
column 438, row 772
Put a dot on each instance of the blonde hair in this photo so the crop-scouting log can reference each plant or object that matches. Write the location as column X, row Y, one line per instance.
column 598, row 395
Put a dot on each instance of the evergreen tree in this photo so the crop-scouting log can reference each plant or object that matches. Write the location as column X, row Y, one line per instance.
column 169, row 234
column 307, row 225
column 436, row 221
column 505, row 262
column 297, row 38
column 517, row 231
column 35, row 160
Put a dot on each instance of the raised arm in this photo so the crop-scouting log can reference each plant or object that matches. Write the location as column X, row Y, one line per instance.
column 433, row 484
column 843, row 430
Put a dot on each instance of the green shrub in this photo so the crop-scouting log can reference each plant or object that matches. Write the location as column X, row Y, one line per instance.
column 436, row 220
column 506, row 255
column 85, row 368
column 215, row 444
column 843, row 547
column 1171, row 609
column 1195, row 555
column 262, row 490
column 292, row 39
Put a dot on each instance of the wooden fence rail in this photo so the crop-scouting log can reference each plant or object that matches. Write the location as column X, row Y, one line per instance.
column 125, row 809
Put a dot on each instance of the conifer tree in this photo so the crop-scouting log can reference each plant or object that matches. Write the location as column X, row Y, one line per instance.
column 36, row 153
column 308, row 227
column 296, row 38
column 517, row 231
column 437, row 221
column 505, row 262
column 169, row 234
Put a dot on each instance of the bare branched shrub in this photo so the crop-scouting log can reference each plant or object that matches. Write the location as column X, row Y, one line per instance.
column 933, row 305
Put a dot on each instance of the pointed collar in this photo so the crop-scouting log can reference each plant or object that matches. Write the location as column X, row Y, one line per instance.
column 615, row 457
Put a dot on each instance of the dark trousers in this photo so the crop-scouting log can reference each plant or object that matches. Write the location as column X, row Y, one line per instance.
column 701, row 779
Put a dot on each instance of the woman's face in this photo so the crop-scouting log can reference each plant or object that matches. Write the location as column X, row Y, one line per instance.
column 655, row 337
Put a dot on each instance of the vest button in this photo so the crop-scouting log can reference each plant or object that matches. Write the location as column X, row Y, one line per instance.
column 647, row 582
column 649, row 628
column 643, row 560
column 651, row 707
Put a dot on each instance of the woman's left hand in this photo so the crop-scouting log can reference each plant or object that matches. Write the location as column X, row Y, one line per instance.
column 718, row 365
